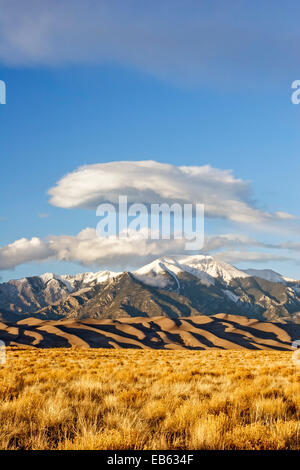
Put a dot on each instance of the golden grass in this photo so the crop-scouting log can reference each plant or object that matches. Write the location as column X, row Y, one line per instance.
column 147, row 399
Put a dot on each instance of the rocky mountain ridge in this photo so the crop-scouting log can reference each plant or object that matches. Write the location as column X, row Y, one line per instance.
column 173, row 286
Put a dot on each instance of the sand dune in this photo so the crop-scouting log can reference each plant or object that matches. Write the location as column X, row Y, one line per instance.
column 220, row 331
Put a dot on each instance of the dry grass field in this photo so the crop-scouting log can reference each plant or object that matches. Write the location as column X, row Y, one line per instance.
column 149, row 399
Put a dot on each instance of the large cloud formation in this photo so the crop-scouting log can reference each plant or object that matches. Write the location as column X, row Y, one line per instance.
column 174, row 40
column 88, row 249
column 149, row 182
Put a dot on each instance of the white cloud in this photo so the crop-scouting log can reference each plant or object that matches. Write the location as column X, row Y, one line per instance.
column 239, row 256
column 23, row 251
column 188, row 41
column 294, row 246
column 216, row 242
column 149, row 182
column 284, row 215
column 88, row 249
column 224, row 196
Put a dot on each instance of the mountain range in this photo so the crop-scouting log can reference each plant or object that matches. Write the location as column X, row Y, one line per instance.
column 173, row 286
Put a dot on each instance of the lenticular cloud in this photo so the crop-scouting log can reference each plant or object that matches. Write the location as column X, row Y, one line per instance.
column 149, row 182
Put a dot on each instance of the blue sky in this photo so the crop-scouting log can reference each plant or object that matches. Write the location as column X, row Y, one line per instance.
column 180, row 83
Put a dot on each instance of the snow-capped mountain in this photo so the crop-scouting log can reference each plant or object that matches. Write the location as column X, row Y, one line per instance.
column 85, row 279
column 172, row 285
column 32, row 293
column 205, row 268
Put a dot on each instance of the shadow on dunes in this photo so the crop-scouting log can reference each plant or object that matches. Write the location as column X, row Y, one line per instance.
column 238, row 335
column 30, row 336
column 101, row 338
column 221, row 331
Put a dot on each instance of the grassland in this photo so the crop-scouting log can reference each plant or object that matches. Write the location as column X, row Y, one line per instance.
column 149, row 399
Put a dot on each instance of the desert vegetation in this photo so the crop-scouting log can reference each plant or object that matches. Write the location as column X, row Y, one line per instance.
column 149, row 399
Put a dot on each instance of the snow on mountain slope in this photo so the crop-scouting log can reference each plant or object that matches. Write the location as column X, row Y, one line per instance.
column 78, row 281
column 154, row 274
column 199, row 264
column 231, row 295
column 205, row 268
column 86, row 279
column 31, row 293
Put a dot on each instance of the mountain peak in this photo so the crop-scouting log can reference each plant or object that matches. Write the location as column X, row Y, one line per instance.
column 204, row 267
column 181, row 285
column 48, row 277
